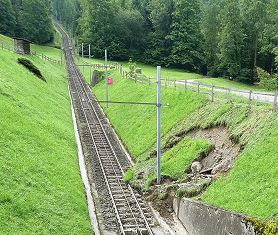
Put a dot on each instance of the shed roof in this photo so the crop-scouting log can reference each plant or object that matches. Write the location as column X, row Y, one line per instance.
column 22, row 39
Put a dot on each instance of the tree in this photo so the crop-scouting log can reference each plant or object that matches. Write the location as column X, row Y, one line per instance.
column 231, row 40
column 269, row 38
column 36, row 23
column 210, row 30
column 67, row 13
column 157, row 49
column 254, row 19
column 128, row 33
column 7, row 18
column 185, row 36
column 96, row 25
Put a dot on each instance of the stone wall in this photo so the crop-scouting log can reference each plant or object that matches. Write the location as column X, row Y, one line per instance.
column 201, row 219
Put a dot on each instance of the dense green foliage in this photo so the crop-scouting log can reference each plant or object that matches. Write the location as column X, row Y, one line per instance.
column 30, row 19
column 7, row 18
column 67, row 13
column 228, row 38
column 215, row 37
column 41, row 191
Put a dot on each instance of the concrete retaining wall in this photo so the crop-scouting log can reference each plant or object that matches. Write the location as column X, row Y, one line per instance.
column 201, row 219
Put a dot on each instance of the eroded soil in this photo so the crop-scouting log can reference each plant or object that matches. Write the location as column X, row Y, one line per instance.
column 223, row 154
column 217, row 162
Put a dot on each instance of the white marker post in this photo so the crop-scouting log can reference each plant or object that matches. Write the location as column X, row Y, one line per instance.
column 106, row 77
column 158, row 124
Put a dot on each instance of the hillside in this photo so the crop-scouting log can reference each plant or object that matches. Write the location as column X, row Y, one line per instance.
column 249, row 187
column 41, row 191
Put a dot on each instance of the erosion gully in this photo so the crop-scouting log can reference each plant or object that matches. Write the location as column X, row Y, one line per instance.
column 121, row 209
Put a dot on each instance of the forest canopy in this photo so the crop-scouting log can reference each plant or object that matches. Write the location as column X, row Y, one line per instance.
column 30, row 19
column 230, row 38
column 215, row 37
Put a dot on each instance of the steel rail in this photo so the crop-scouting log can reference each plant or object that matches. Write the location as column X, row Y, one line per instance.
column 114, row 154
column 81, row 85
column 70, row 66
column 99, row 157
column 101, row 163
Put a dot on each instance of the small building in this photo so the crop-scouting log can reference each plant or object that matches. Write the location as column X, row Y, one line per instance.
column 22, row 46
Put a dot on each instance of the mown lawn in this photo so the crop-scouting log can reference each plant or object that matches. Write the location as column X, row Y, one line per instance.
column 176, row 74
column 250, row 187
column 150, row 71
column 41, row 191
column 224, row 82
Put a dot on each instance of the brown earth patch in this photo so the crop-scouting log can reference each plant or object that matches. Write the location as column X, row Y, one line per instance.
column 223, row 154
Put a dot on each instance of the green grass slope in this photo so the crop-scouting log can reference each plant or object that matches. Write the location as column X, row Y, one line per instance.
column 47, row 50
column 250, row 187
column 150, row 71
column 177, row 74
column 41, row 191
column 142, row 118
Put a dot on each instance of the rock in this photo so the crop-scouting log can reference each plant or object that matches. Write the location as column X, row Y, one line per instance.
column 196, row 167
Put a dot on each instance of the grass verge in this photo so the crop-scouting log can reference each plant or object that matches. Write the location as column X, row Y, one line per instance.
column 40, row 187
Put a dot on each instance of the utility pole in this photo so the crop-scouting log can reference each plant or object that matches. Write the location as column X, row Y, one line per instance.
column 158, row 125
column 106, row 77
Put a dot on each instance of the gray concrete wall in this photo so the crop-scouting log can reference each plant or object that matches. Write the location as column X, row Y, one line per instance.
column 201, row 219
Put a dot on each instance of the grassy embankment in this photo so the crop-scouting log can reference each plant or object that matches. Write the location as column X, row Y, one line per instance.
column 250, row 187
column 41, row 191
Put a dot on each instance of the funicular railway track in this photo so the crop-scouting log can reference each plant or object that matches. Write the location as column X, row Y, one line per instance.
column 133, row 216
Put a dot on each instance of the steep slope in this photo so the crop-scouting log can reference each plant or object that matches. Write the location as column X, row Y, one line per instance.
column 250, row 187
column 41, row 191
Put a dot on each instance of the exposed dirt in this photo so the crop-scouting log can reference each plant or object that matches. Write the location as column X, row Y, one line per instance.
column 223, row 155
column 217, row 162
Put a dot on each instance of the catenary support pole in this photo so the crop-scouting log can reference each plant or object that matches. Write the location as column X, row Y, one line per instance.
column 106, row 77
column 158, row 123
column 83, row 56
column 90, row 62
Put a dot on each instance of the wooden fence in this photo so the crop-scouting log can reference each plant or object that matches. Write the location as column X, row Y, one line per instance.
column 33, row 53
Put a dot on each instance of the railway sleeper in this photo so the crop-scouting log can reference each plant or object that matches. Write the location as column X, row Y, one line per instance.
column 119, row 191
column 112, row 171
column 137, row 214
column 141, row 231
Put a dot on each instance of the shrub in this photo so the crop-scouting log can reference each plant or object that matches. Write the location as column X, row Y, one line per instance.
column 31, row 67
column 267, row 81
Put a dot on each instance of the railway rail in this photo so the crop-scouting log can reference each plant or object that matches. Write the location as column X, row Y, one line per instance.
column 133, row 216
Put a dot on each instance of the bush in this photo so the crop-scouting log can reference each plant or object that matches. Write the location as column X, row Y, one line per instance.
column 31, row 67
column 267, row 81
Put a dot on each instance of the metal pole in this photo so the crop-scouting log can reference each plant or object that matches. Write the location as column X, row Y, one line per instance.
column 106, row 76
column 83, row 56
column 78, row 50
column 90, row 62
column 158, row 123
